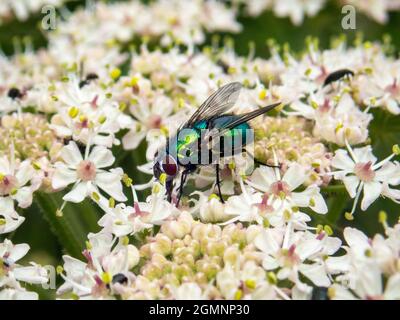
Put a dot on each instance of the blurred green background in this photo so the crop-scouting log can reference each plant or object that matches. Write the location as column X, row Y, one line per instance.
column 385, row 129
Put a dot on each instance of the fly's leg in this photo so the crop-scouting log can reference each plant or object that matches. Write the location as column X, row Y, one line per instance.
column 260, row 162
column 169, row 186
column 182, row 183
column 219, row 183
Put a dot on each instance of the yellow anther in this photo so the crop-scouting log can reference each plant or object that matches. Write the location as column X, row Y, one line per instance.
column 106, row 277
column 59, row 269
column 314, row 104
column 88, row 245
column 102, row 119
column 238, row 294
column 396, row 149
column 262, row 94
column 73, row 112
column 95, row 196
column 328, row 230
column 111, row 202
column 126, row 180
column 349, row 216
column 125, row 240
column 115, row 73
column 271, row 277
column 251, row 284
column 382, row 216
column 163, row 178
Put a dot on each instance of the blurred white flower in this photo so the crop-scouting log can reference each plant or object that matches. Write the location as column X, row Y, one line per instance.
column 359, row 171
column 87, row 173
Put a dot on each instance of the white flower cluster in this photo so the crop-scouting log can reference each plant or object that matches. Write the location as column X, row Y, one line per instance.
column 296, row 10
column 370, row 268
column 22, row 9
column 69, row 111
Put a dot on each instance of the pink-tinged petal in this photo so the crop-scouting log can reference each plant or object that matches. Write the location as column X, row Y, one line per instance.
column 12, row 223
column 341, row 293
column 295, row 176
column 270, row 263
column 19, row 251
column 364, row 154
column 5, row 165
column 391, row 193
column 316, row 273
column 31, row 274
column 101, row 157
column 23, row 197
column 105, row 140
column 63, row 177
column 262, row 178
column 342, row 160
column 338, row 264
column 266, row 242
column 392, row 291
column 372, row 191
column 319, row 204
column 71, row 154
column 390, row 173
column 25, row 173
column 351, row 183
column 284, row 273
column 308, row 248
column 301, row 291
column 393, row 106
column 132, row 139
column 331, row 245
column 303, row 199
column 369, row 281
column 304, row 109
column 6, row 205
column 356, row 239
column 61, row 131
column 78, row 192
column 111, row 184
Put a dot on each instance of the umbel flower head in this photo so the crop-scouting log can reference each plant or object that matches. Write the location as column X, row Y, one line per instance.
column 292, row 141
column 31, row 135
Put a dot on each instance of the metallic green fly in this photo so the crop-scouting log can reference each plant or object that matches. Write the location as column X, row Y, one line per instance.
column 195, row 142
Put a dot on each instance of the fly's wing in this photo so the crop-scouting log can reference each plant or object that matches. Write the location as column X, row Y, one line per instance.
column 218, row 103
column 215, row 134
column 249, row 116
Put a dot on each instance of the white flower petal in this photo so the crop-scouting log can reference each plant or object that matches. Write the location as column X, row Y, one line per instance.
column 25, row 173
column 342, row 160
column 111, row 183
column 63, row 176
column 266, row 242
column 372, row 191
column 71, row 154
column 316, row 273
column 101, row 157
column 364, row 154
column 78, row 192
column 392, row 291
column 351, row 183
column 295, row 176
column 23, row 197
column 356, row 239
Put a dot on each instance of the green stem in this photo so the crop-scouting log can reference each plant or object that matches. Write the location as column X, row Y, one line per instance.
column 87, row 213
column 62, row 227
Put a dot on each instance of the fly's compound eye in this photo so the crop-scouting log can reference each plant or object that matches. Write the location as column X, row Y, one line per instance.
column 169, row 166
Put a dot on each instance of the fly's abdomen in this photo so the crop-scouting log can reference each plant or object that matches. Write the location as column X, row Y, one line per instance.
column 235, row 139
